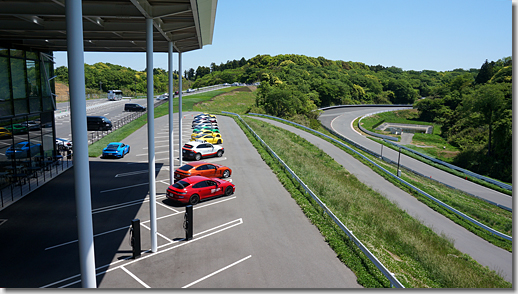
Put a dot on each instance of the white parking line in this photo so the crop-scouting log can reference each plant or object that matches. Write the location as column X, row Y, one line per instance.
column 135, row 277
column 239, row 222
column 216, row 272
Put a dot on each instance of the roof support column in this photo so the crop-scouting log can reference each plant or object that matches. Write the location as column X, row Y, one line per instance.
column 76, row 71
column 180, row 106
column 151, row 133
column 171, row 94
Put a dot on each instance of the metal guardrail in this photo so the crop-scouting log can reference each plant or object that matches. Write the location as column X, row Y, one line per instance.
column 390, row 276
column 467, row 172
column 437, row 201
column 375, row 134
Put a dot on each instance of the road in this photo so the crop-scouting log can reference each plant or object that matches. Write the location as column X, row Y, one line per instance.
column 482, row 251
column 340, row 120
column 256, row 238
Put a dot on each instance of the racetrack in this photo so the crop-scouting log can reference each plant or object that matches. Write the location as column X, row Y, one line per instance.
column 485, row 253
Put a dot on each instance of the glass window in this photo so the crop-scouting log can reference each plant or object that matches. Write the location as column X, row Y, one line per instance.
column 35, row 105
column 6, row 140
column 33, row 78
column 17, row 53
column 19, row 90
column 32, row 55
column 202, row 167
column 6, row 108
column 4, row 51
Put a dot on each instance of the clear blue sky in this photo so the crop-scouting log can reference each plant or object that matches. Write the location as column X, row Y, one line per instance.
column 436, row 35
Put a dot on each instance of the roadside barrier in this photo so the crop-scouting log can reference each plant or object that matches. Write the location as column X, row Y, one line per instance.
column 394, row 282
column 437, row 201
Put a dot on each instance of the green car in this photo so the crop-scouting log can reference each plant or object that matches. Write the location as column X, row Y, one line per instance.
column 212, row 129
column 17, row 129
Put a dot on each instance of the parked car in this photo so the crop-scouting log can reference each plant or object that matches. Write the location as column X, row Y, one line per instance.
column 202, row 168
column 206, row 124
column 190, row 90
column 199, row 149
column 116, row 149
column 210, row 128
column 204, row 131
column 63, row 144
column 17, row 129
column 134, row 107
column 98, row 123
column 214, row 138
column 22, row 150
column 31, row 125
column 193, row 189
column 5, row 133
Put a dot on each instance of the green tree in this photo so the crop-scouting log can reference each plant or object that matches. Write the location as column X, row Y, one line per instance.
column 486, row 73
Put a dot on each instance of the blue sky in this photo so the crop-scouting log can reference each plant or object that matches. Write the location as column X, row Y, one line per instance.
column 436, row 35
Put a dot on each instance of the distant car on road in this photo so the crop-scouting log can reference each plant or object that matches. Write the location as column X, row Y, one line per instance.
column 22, row 150
column 193, row 189
column 190, row 90
column 202, row 168
column 116, row 149
column 199, row 149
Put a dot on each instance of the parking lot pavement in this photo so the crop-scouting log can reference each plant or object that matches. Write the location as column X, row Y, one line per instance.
column 255, row 238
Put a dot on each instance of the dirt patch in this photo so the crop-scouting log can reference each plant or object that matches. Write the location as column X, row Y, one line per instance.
column 61, row 92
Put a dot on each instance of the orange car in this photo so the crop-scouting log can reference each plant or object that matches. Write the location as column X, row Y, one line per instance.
column 201, row 168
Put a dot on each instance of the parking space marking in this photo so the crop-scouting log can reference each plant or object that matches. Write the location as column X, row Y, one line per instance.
column 145, row 154
column 134, row 173
column 135, row 202
column 158, row 234
column 135, row 277
column 234, row 223
column 216, row 272
column 166, row 206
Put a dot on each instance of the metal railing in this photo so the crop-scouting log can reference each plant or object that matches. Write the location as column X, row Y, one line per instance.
column 437, row 201
column 394, row 282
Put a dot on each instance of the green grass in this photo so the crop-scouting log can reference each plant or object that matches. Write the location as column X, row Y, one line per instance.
column 491, row 215
column 418, row 257
column 239, row 100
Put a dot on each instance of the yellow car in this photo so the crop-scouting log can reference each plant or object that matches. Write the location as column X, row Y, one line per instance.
column 214, row 138
column 5, row 133
column 205, row 132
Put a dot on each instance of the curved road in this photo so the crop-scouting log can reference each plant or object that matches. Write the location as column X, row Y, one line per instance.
column 340, row 120
column 479, row 249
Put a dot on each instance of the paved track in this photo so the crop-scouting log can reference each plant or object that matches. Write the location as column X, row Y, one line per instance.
column 256, row 238
column 340, row 120
column 485, row 253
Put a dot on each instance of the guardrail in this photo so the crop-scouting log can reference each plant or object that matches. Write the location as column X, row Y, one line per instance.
column 375, row 134
column 365, row 105
column 437, row 201
column 390, row 276
column 467, row 172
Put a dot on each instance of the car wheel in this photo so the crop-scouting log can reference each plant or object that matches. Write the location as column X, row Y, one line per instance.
column 219, row 142
column 229, row 190
column 128, row 150
column 226, row 174
column 194, row 199
column 220, row 153
column 197, row 156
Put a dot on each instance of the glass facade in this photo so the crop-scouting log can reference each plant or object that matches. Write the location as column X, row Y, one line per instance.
column 27, row 139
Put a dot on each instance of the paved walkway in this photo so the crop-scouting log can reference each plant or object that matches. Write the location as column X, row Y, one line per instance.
column 406, row 138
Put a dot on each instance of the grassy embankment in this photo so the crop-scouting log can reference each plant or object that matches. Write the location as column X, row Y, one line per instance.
column 418, row 256
column 95, row 149
column 492, row 216
column 431, row 144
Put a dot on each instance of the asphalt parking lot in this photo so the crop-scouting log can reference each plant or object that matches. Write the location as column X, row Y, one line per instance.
column 255, row 238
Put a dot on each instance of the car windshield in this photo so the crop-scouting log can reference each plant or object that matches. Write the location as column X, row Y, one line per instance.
column 181, row 185
column 185, row 167
column 112, row 147
column 19, row 146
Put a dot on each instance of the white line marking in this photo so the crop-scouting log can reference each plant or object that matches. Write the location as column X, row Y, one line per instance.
column 239, row 220
column 135, row 277
column 145, row 154
column 216, row 272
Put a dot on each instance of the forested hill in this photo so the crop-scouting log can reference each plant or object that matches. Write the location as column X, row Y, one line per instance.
column 473, row 107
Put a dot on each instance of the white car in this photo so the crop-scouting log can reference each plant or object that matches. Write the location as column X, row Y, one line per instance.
column 63, row 144
column 198, row 149
column 190, row 90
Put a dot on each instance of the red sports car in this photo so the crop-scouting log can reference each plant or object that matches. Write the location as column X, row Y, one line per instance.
column 192, row 189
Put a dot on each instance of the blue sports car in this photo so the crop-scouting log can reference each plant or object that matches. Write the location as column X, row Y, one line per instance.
column 22, row 150
column 116, row 149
